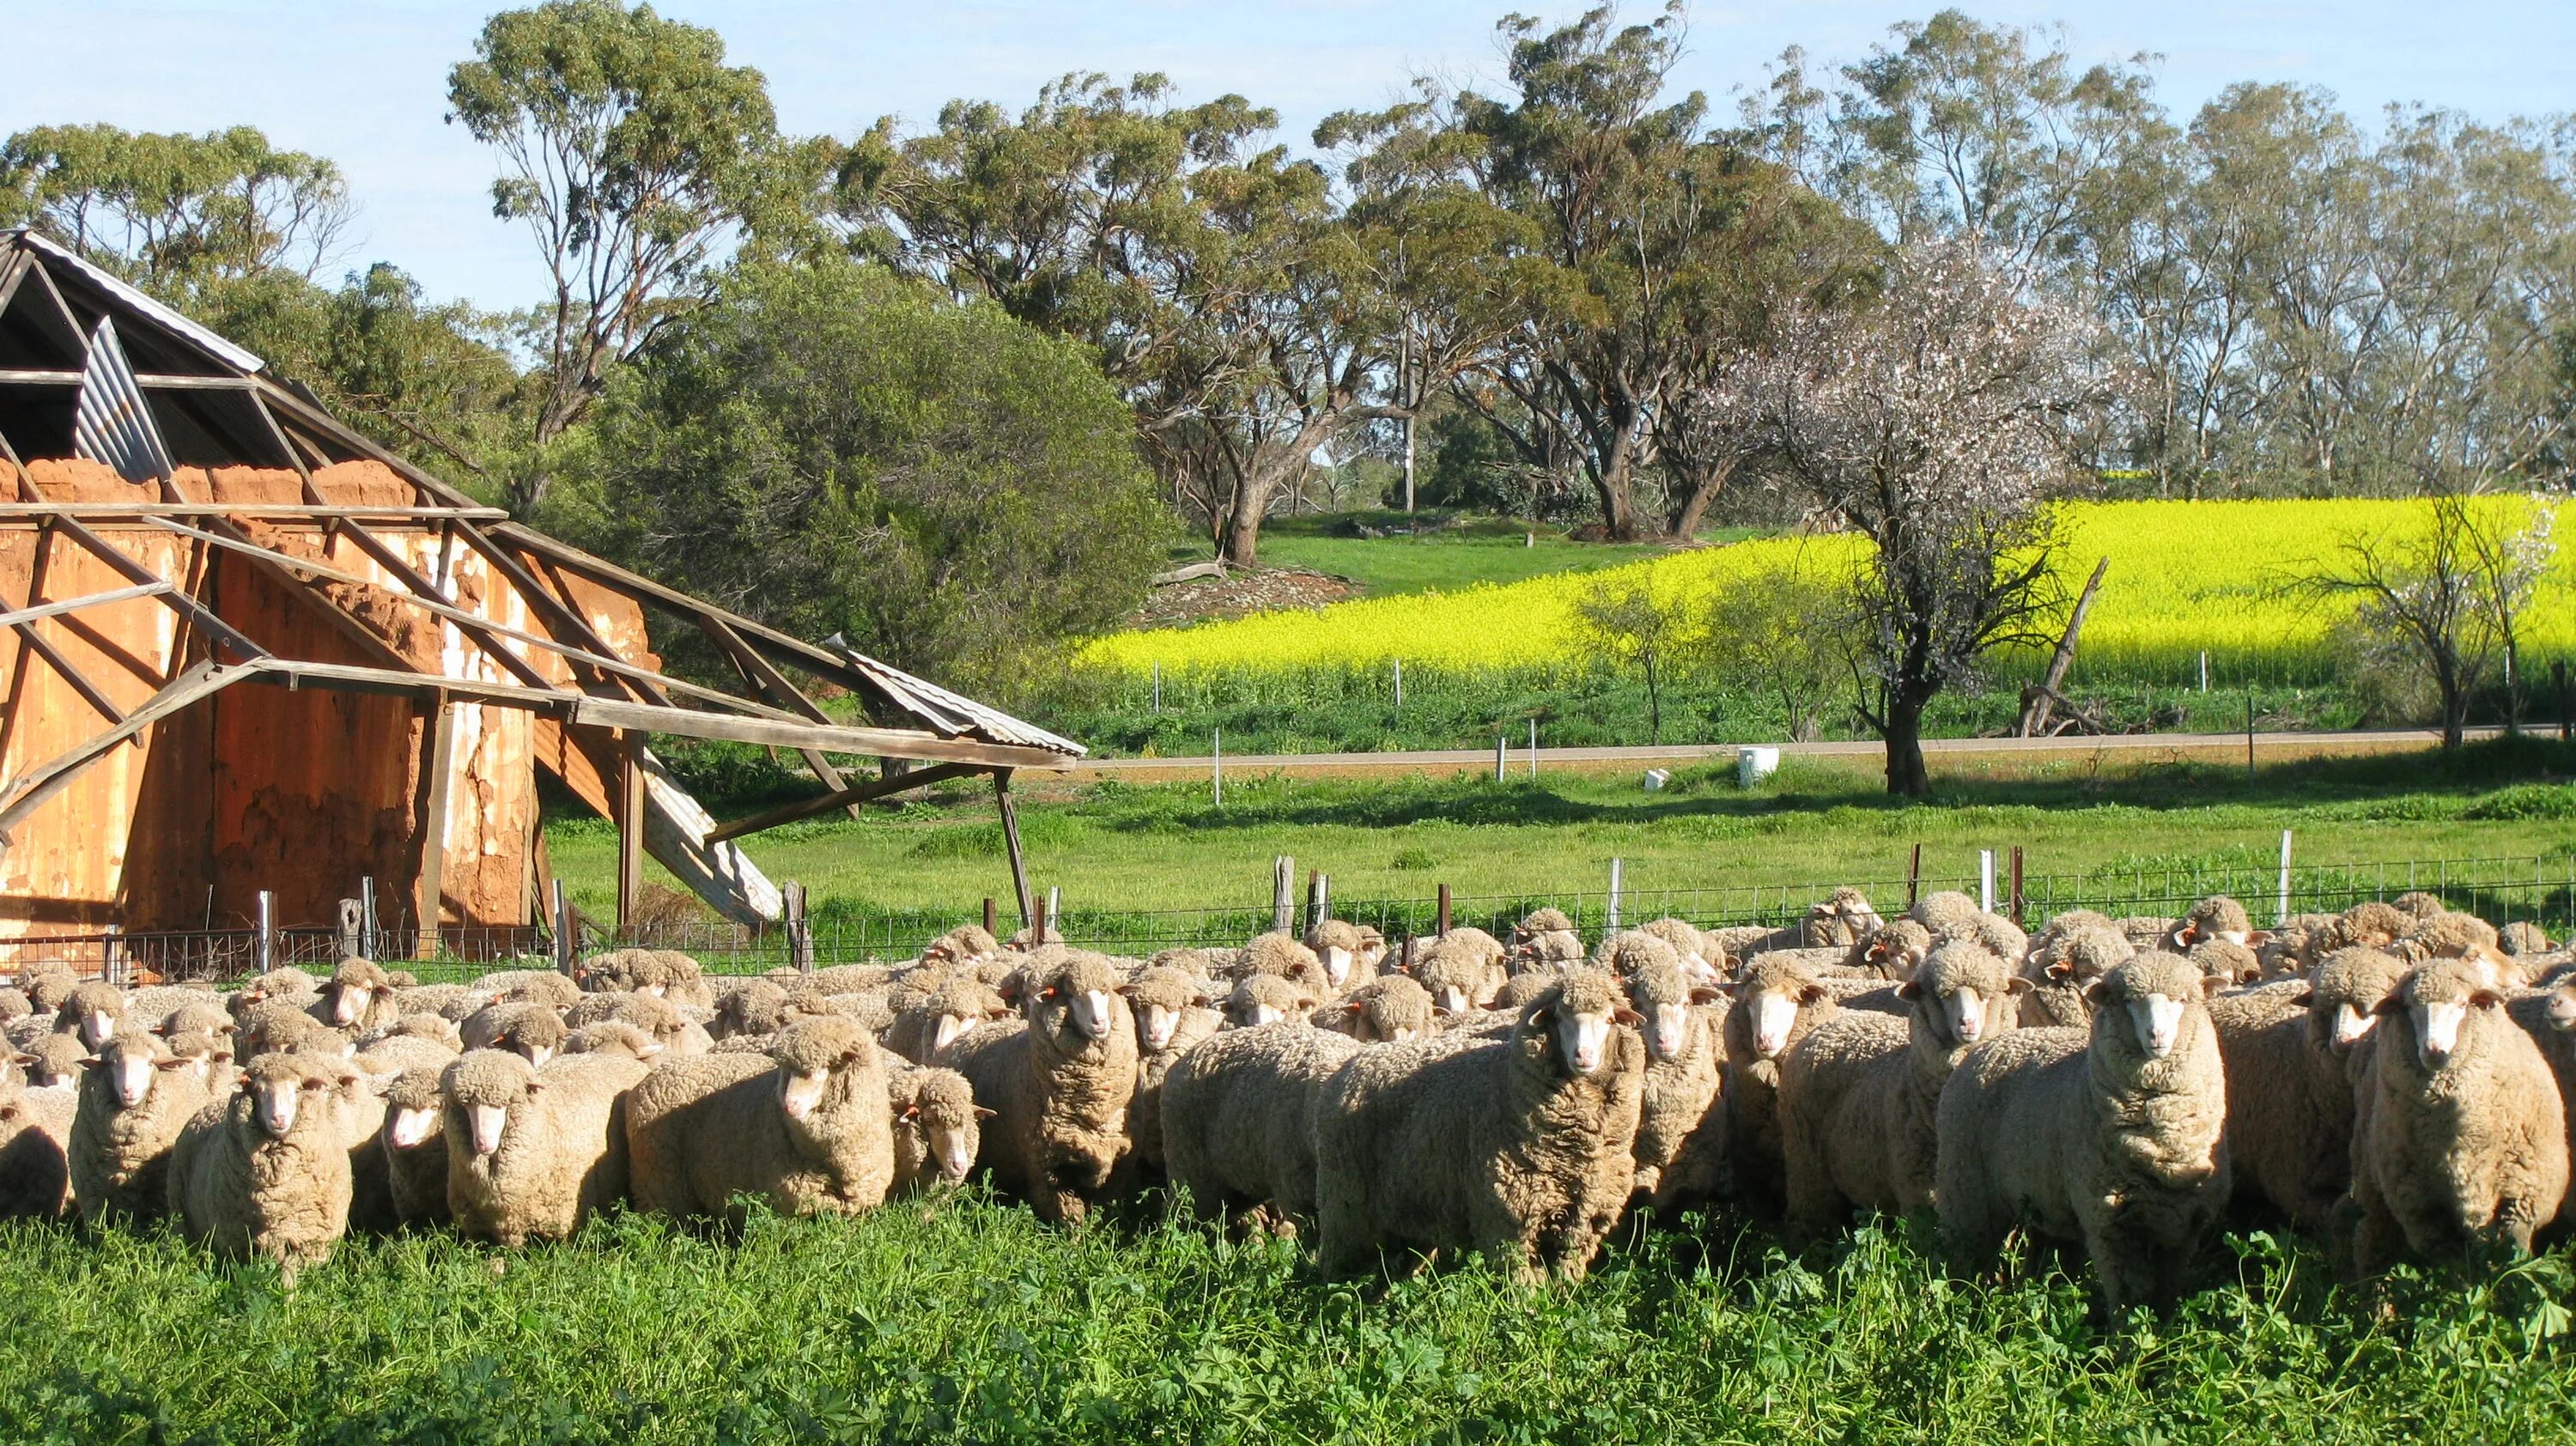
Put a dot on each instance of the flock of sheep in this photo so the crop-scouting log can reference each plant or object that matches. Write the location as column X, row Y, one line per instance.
column 2393, row 1079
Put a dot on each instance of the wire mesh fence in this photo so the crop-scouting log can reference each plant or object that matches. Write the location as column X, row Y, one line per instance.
column 2536, row 888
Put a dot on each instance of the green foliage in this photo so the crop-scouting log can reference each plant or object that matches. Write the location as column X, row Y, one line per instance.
column 830, row 448
column 174, row 212
column 968, row 1322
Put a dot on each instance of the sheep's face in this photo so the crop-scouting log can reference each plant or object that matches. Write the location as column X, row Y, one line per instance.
column 279, row 1098
column 1962, row 1013
column 2157, row 1021
column 801, row 1094
column 949, row 1029
column 487, row 1123
column 1154, row 1026
column 1250, row 1013
column 1668, row 1030
column 131, row 1069
column 2439, row 1021
column 1337, row 964
column 1370, row 954
column 1449, row 998
column 1773, row 1015
column 534, row 1053
column 1582, row 1040
column 2561, row 1008
column 97, row 1029
column 349, row 1003
column 410, row 1129
column 2352, row 1024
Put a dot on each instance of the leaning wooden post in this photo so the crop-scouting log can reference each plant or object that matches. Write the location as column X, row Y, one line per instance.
column 266, row 949
column 1443, row 931
column 1914, row 877
column 799, row 930
column 567, row 931
column 2038, row 703
column 2017, row 905
column 1011, row 841
column 438, row 763
column 992, row 917
column 1316, row 903
column 630, row 832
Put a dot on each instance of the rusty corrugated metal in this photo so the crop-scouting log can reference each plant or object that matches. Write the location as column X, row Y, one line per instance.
column 111, row 423
column 951, row 715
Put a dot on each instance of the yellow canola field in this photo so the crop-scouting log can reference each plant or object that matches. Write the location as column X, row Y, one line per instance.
column 2185, row 577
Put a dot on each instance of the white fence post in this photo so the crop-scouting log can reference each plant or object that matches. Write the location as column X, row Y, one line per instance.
column 1533, row 748
column 1986, row 880
column 1500, row 757
column 1158, row 685
column 2283, row 916
column 267, row 931
column 1399, row 684
column 1612, row 921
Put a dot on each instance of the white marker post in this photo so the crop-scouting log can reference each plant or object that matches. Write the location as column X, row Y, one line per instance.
column 1612, row 920
column 1216, row 768
column 1500, row 758
column 1533, row 748
column 1986, row 880
column 2283, row 916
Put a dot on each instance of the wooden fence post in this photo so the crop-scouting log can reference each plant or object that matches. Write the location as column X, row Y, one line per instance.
column 1914, row 877
column 1443, row 931
column 2566, row 714
column 369, row 941
column 992, row 917
column 567, row 930
column 1283, row 894
column 2017, row 909
column 800, row 930
column 352, row 934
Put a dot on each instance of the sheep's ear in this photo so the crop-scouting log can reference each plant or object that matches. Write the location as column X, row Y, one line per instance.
column 22, row 1060
column 162, row 1029
column 2389, row 1006
column 1815, row 994
column 228, row 1027
column 1128, row 990
column 982, row 1113
column 2097, row 994
column 911, row 1112
column 1353, row 1006
column 1703, row 994
column 2211, row 984
column 166, row 1065
column 2018, row 985
column 2256, row 939
column 1909, row 990
column 2486, row 999
column 536, row 1086
column 2061, row 970
column 2306, row 997
column 1201, row 1001
column 347, row 1080
column 91, row 1061
column 1624, row 1015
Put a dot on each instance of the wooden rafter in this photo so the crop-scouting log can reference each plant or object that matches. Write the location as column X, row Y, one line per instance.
column 851, row 797
column 30, row 790
column 179, row 600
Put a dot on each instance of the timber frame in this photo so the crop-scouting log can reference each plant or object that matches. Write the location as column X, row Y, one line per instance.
column 218, row 408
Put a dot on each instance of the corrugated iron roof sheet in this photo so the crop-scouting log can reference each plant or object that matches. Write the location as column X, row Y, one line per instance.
column 951, row 715
column 212, row 344
column 110, row 422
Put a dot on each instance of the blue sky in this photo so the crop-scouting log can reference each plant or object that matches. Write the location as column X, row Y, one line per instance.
column 364, row 83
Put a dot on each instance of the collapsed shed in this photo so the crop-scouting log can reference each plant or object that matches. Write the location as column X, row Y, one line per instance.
column 252, row 651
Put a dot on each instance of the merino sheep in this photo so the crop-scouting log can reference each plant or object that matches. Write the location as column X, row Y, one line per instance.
column 2215, row 917
column 53, row 1061
column 1172, row 1018
column 1942, row 910
column 14, row 1005
column 1349, row 952
column 267, row 1171
column 2523, row 939
column 617, row 1037
column 1060, row 1087
column 936, row 1126
column 1776, row 1004
column 1691, row 945
column 1282, row 956
column 35, row 1172
column 531, row 1030
column 1843, row 919
column 93, row 1012
column 1260, row 999
column 2369, row 924
column 454, row 1003
column 135, row 1098
column 1521, row 1147
column 2062, row 968
column 2291, row 1065
column 1236, row 1119
column 1681, row 1127
column 2420, row 904
column 528, row 986
column 1858, row 1094
column 415, row 1148
column 2461, row 1140
column 1464, row 969
column 2114, row 1136
column 2226, row 961
column 961, row 1004
column 360, row 996
column 281, row 1026
column 532, row 1154
column 652, row 1014
column 1631, row 951
column 1386, row 1010
column 1894, row 950
column 1547, row 936
column 807, row 1130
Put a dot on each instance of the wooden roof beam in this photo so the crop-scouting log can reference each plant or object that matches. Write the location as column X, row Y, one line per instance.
column 177, row 598
column 850, row 797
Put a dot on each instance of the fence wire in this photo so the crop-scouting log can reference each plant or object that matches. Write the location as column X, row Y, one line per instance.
column 2540, row 889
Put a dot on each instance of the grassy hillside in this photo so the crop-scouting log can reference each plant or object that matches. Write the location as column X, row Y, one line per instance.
column 1461, row 552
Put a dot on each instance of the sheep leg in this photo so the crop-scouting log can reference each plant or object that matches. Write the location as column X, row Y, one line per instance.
column 2376, row 1236
column 2126, row 1260
column 1815, row 1208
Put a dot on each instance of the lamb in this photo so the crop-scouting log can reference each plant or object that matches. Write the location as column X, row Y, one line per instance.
column 1386, row 1010
column 1463, row 970
column 1172, row 1018
column 415, row 1148
column 532, row 1030
column 360, row 997
column 35, row 1173
column 2291, row 1063
column 1059, row 1088
column 807, row 1130
column 532, row 1154
column 1348, row 951
column 53, row 1062
column 1236, row 1119
column 267, row 1171
column 1777, row 1004
column 135, row 1098
column 2112, row 1136
column 2062, row 969
column 1681, row 1128
column 2462, row 1137
column 937, row 1129
column 1858, row 1094
column 1520, row 1147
